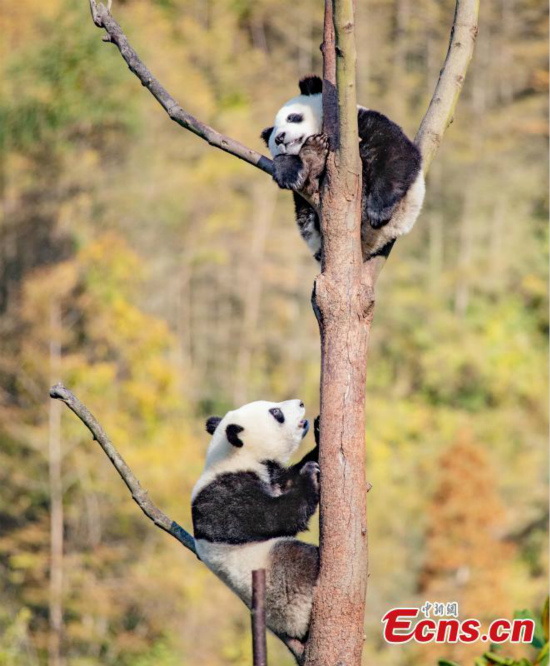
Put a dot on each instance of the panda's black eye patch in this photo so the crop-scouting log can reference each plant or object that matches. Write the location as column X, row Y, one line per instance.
column 277, row 414
column 295, row 118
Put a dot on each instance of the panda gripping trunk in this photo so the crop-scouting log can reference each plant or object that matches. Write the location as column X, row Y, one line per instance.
column 343, row 304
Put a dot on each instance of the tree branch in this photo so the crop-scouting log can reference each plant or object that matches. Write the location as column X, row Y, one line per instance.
column 440, row 113
column 139, row 495
column 103, row 19
column 337, row 292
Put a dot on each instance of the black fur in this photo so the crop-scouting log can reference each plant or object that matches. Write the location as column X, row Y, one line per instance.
column 311, row 85
column 277, row 414
column 212, row 423
column 289, row 172
column 239, row 507
column 232, row 432
column 266, row 133
column 391, row 163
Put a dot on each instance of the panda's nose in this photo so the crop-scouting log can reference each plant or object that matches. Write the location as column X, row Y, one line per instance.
column 280, row 138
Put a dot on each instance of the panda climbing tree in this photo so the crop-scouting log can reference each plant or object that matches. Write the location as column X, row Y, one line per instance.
column 343, row 301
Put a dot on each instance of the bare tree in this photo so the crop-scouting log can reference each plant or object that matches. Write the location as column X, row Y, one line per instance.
column 56, row 499
column 343, row 301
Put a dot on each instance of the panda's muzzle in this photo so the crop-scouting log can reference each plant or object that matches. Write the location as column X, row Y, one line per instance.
column 284, row 146
column 305, row 425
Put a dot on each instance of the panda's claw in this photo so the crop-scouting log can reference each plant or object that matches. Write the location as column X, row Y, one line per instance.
column 317, row 429
column 312, row 472
column 320, row 143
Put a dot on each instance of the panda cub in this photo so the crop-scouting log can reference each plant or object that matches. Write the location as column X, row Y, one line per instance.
column 247, row 507
column 393, row 182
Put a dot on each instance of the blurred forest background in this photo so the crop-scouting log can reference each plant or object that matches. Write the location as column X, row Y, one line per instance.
column 164, row 281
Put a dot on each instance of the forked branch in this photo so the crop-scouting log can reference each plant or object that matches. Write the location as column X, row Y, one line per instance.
column 438, row 117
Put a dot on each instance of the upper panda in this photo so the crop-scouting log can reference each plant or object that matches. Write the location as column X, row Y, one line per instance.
column 393, row 182
column 247, row 506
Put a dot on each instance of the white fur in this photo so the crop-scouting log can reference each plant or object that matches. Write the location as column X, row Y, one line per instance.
column 264, row 439
column 311, row 108
column 235, row 564
column 402, row 220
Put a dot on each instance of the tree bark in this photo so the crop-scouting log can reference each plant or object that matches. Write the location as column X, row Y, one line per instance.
column 343, row 301
column 56, row 500
column 343, row 305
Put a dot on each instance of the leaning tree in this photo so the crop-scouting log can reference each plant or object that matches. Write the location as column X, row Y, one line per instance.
column 343, row 302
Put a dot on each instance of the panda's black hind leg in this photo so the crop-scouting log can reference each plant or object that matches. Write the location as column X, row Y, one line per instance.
column 289, row 172
column 381, row 202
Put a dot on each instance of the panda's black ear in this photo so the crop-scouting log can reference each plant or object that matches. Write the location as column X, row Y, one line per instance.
column 232, row 431
column 212, row 423
column 311, row 85
column 266, row 133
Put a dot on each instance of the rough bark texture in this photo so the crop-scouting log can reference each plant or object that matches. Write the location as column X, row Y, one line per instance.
column 343, row 301
column 258, row 616
column 343, row 305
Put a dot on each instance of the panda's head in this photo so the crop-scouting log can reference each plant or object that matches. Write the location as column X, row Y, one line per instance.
column 298, row 119
column 258, row 431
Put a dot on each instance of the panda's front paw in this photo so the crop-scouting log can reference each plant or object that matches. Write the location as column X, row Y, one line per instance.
column 311, row 473
column 316, row 143
column 314, row 156
column 289, row 172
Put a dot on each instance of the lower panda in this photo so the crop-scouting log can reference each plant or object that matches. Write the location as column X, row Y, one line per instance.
column 248, row 506
column 393, row 182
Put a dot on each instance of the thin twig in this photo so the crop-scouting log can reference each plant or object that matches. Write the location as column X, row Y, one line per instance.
column 139, row 495
column 103, row 19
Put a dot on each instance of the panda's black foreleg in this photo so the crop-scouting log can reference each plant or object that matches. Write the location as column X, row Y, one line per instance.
column 289, row 172
column 311, row 456
column 289, row 513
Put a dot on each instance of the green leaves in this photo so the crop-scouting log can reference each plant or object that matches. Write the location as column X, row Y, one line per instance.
column 540, row 642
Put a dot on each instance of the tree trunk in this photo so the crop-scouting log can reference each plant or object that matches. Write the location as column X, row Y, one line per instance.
column 343, row 306
column 56, row 499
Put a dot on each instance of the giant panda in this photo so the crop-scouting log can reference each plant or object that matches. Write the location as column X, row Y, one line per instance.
column 393, row 182
column 248, row 506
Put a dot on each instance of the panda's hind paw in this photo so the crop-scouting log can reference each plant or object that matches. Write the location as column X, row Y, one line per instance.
column 378, row 214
